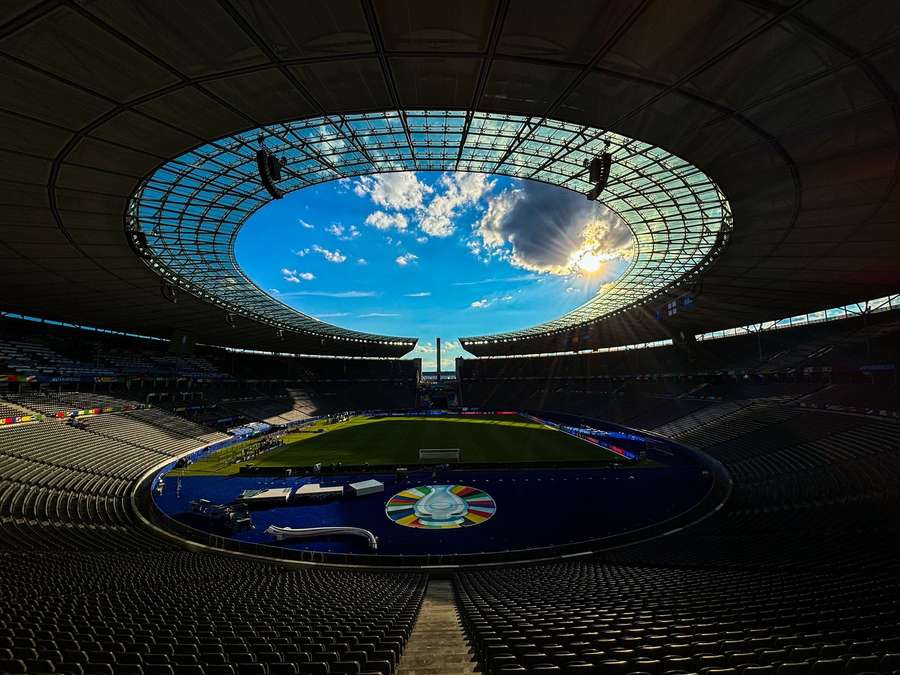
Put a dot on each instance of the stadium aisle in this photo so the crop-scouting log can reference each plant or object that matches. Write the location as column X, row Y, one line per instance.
column 437, row 645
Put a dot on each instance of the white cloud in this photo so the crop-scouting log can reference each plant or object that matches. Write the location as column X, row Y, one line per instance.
column 506, row 298
column 343, row 233
column 308, row 226
column 293, row 277
column 546, row 229
column 332, row 294
column 377, row 314
column 386, row 221
column 332, row 315
column 481, row 304
column 460, row 190
column 422, row 240
column 274, row 291
column 334, row 256
column 302, row 252
column 362, row 261
column 406, row 259
column 397, row 191
column 496, row 280
column 405, row 192
column 571, row 289
column 421, row 294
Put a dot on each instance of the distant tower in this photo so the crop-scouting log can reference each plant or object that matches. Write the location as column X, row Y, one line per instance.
column 439, row 359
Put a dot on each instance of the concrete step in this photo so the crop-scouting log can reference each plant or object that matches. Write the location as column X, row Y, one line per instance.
column 437, row 645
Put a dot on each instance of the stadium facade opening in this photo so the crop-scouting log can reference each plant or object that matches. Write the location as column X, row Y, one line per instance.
column 185, row 217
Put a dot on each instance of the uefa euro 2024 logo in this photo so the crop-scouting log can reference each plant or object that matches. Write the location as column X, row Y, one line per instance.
column 440, row 507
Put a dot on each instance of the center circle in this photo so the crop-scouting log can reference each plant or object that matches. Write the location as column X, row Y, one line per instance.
column 440, row 507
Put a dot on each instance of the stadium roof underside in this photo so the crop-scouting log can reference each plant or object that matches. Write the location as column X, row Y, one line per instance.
column 791, row 108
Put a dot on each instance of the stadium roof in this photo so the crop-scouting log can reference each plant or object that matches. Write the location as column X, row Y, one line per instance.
column 790, row 108
column 187, row 215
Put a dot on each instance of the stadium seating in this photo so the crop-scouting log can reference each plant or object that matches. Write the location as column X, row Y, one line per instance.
column 67, row 487
column 590, row 617
column 153, row 429
column 848, row 363
column 179, row 613
column 7, row 410
column 811, row 488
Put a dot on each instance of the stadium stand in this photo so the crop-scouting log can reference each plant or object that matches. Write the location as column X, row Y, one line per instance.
column 853, row 361
column 153, row 429
column 68, row 486
column 590, row 617
column 8, row 410
column 165, row 613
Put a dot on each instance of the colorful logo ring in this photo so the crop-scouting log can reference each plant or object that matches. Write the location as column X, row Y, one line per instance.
column 440, row 507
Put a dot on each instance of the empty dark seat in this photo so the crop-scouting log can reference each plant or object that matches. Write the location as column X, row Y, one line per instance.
column 804, row 654
column 100, row 668
column 890, row 663
column 680, row 663
column 313, row 668
column 710, row 661
column 40, row 666
column 226, row 669
column 827, row 667
column 862, row 664
column 158, row 669
column 793, row 668
column 25, row 653
column 614, row 667
column 128, row 669
column 251, row 669
column 891, row 644
column 282, row 669
column 742, row 659
column 758, row 670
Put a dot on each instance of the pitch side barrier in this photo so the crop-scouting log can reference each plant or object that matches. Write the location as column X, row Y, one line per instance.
column 418, row 412
column 596, row 437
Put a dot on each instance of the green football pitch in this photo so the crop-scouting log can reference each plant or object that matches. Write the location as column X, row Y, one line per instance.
column 397, row 441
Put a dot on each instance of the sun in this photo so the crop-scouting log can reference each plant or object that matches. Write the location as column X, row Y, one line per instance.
column 589, row 262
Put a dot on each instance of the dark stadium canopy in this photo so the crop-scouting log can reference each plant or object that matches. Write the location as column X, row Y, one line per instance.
column 790, row 108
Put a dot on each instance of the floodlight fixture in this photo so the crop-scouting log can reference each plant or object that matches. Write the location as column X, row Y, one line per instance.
column 598, row 173
column 168, row 292
column 269, row 167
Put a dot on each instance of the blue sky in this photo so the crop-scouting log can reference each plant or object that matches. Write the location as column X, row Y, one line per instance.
column 433, row 254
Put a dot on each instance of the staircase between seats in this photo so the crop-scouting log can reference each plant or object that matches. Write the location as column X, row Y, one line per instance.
column 437, row 645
